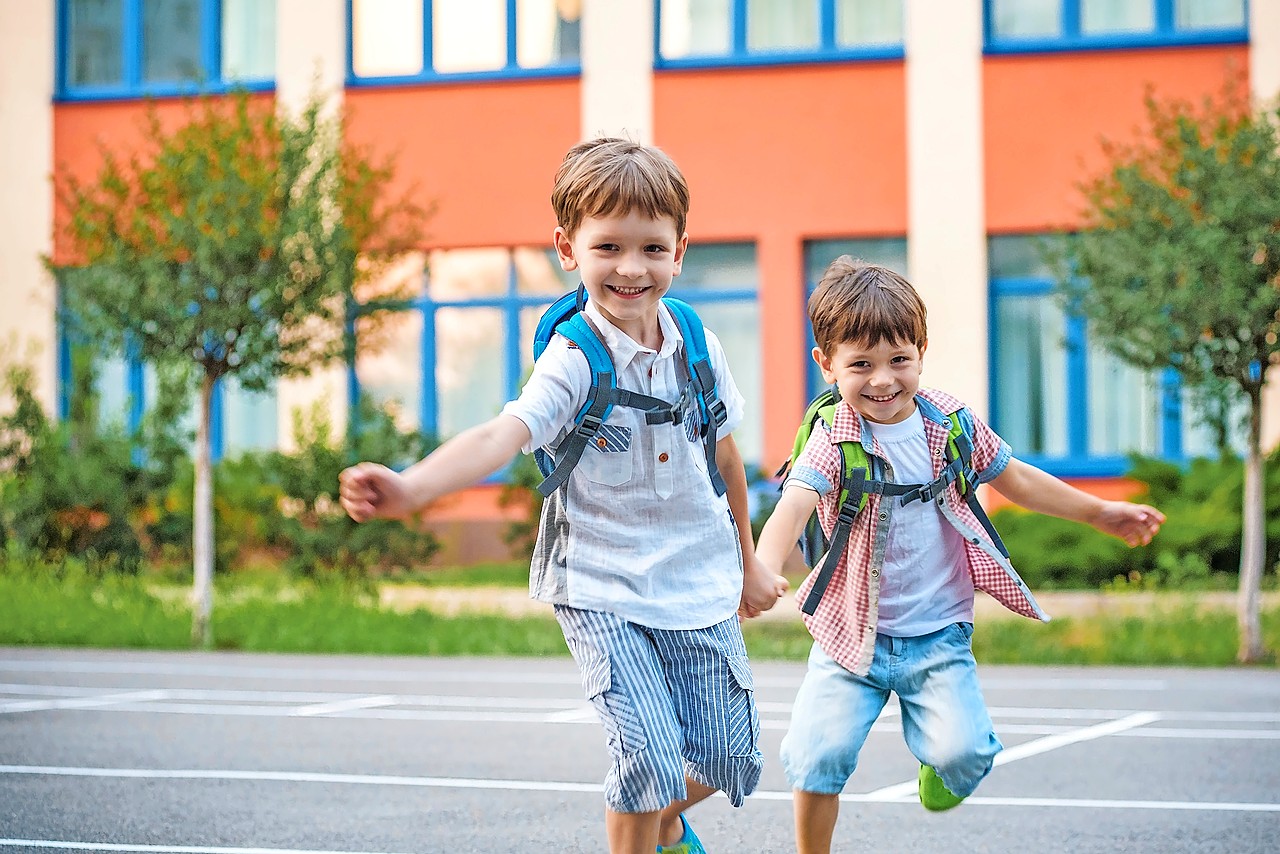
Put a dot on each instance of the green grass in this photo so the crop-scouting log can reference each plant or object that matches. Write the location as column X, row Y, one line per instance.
column 65, row 605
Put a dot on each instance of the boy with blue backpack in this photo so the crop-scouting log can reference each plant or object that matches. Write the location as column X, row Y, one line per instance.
column 644, row 547
column 891, row 469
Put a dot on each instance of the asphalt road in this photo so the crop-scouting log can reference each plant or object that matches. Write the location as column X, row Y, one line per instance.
column 239, row 754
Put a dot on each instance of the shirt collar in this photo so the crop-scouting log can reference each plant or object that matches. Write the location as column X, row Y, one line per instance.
column 622, row 347
column 850, row 426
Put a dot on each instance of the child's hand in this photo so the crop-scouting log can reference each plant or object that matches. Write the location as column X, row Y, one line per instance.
column 761, row 588
column 1136, row 524
column 370, row 491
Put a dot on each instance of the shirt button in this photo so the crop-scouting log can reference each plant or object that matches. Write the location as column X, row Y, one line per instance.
column 942, row 499
column 875, row 573
column 884, row 516
column 662, row 458
column 937, row 452
column 602, row 441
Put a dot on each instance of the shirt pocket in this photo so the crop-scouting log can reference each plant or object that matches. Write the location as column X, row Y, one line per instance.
column 607, row 458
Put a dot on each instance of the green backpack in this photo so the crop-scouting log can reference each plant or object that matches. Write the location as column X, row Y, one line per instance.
column 862, row 475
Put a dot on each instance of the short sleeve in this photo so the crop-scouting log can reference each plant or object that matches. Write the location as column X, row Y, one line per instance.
column 818, row 466
column 554, row 393
column 726, row 388
column 991, row 454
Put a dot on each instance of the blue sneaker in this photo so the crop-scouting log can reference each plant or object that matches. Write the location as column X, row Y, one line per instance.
column 688, row 844
column 934, row 795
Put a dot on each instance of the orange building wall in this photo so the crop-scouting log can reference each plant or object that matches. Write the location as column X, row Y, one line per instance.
column 1046, row 114
column 778, row 155
column 486, row 153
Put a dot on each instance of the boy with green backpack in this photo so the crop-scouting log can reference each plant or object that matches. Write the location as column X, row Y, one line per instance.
column 891, row 469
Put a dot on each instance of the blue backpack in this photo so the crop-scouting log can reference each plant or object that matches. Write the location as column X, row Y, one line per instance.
column 565, row 317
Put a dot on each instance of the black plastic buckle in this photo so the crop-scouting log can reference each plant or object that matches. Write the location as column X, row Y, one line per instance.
column 590, row 424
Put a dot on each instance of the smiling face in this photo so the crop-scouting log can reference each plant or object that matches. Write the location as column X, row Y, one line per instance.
column 627, row 261
column 879, row 381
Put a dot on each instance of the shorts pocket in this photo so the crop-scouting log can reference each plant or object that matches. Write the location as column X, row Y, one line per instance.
column 623, row 729
column 742, row 716
column 607, row 457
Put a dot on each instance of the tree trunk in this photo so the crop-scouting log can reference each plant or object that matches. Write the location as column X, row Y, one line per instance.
column 1253, row 546
column 202, row 533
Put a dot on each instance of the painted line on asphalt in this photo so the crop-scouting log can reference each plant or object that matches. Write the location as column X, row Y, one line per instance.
column 62, row 845
column 877, row 796
column 908, row 789
column 344, row 706
column 98, row 701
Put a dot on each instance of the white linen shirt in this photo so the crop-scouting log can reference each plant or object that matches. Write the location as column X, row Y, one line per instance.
column 637, row 530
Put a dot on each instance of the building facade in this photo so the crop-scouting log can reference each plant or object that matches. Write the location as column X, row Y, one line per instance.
column 944, row 138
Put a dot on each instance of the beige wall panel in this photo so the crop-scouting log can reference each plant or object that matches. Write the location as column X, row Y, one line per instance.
column 311, row 56
column 617, row 69
column 946, row 234
column 26, row 205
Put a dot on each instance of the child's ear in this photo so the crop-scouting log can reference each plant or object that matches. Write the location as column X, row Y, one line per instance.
column 681, row 246
column 824, row 365
column 924, row 345
column 564, row 249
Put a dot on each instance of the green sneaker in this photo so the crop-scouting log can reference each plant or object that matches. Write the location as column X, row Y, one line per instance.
column 688, row 844
column 934, row 795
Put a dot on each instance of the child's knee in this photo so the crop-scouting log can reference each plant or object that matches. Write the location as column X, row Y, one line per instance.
column 963, row 765
column 818, row 764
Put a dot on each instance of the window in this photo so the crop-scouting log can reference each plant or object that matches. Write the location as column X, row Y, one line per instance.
column 744, row 32
column 412, row 40
column 888, row 252
column 462, row 346
column 1044, row 25
column 135, row 48
column 1063, row 402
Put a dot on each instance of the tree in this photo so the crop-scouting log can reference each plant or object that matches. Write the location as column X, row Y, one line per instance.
column 232, row 245
column 1178, row 265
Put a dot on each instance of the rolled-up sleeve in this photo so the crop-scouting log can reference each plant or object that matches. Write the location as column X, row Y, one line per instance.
column 554, row 393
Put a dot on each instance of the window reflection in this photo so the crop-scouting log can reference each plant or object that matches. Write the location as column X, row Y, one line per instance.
column 1026, row 17
column 1110, row 16
column 696, row 28
column 468, row 35
column 469, row 367
column 781, row 24
column 248, row 39
column 171, row 41
column 868, row 22
column 386, row 37
column 94, row 43
column 389, row 364
column 548, row 32
column 1210, row 13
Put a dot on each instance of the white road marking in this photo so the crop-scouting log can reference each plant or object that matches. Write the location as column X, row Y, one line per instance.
column 344, row 706
column 907, row 790
column 61, row 845
column 97, row 701
column 877, row 796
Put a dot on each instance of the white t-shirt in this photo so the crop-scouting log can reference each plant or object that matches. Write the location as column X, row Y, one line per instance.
column 637, row 530
column 925, row 583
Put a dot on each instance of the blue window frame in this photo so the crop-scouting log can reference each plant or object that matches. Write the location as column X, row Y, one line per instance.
column 711, row 33
column 888, row 252
column 1063, row 403
column 110, row 49
column 1033, row 26
column 451, row 356
column 410, row 41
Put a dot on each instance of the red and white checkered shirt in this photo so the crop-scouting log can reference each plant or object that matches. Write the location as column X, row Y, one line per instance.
column 844, row 624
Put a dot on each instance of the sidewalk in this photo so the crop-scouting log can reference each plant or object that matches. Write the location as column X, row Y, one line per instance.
column 512, row 601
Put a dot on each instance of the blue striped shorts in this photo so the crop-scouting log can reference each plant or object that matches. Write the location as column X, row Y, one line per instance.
column 674, row 703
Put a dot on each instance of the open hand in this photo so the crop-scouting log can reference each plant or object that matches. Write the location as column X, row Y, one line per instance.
column 1136, row 524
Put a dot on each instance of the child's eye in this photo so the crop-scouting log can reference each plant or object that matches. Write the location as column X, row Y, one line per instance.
column 607, row 247
column 654, row 248
column 860, row 366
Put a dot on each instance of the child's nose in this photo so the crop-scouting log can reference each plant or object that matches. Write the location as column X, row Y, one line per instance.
column 630, row 266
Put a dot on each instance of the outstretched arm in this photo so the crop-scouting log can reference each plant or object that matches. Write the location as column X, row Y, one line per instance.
column 785, row 525
column 372, row 491
column 760, row 587
column 1041, row 492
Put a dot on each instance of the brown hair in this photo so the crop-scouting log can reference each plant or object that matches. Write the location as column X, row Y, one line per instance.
column 864, row 304
column 609, row 175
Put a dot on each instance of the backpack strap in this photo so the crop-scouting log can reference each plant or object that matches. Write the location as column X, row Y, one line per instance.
column 703, row 376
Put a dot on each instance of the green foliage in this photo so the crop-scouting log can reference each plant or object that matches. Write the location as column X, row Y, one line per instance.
column 1198, row 547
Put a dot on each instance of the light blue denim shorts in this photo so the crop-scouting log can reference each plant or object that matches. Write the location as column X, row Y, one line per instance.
column 674, row 703
column 944, row 717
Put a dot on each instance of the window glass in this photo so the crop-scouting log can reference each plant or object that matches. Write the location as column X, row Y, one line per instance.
column 111, row 385
column 737, row 325
column 1111, row 16
column 249, row 419
column 718, row 266
column 248, row 39
column 171, row 42
column 1020, row 257
column 95, row 34
column 1196, row 14
column 696, row 28
column 469, row 367
column 389, row 365
column 548, row 32
column 782, row 24
column 888, row 252
column 1199, row 439
column 468, row 35
column 1031, row 370
column 386, row 37
column 460, row 274
column 538, row 271
column 1123, row 407
column 1026, row 17
column 864, row 22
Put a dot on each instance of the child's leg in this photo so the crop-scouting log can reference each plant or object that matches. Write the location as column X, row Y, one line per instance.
column 944, row 717
column 670, row 828
column 624, row 680
column 833, row 712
